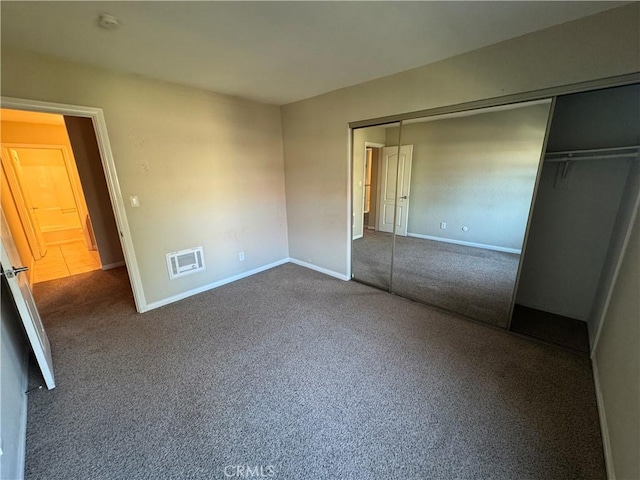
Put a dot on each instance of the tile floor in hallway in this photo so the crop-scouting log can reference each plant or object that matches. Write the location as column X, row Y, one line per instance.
column 65, row 260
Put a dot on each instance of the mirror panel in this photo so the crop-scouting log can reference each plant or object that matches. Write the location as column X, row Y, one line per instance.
column 469, row 180
column 374, row 159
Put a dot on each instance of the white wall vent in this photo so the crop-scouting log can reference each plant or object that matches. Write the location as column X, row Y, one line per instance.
column 185, row 262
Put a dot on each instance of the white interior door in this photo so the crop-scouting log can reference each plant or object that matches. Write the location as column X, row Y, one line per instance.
column 46, row 181
column 23, row 205
column 19, row 287
column 388, row 199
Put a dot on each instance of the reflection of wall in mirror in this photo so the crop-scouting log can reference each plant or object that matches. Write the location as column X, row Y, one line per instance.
column 476, row 172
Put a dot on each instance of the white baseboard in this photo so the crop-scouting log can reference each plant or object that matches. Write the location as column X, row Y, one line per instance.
column 211, row 286
column 326, row 271
column 356, row 237
column 219, row 283
column 467, row 244
column 606, row 442
column 109, row 266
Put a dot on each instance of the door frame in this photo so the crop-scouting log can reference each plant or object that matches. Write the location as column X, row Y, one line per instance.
column 364, row 178
column 113, row 185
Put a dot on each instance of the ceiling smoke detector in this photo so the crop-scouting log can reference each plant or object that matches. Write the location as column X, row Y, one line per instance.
column 108, row 22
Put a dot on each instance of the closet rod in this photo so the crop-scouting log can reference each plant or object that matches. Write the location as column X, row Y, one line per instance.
column 593, row 154
column 569, row 158
column 597, row 150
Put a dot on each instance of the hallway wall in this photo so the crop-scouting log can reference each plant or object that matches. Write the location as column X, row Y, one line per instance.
column 83, row 140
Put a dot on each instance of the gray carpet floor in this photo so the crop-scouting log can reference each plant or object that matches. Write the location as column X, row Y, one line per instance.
column 470, row 281
column 312, row 376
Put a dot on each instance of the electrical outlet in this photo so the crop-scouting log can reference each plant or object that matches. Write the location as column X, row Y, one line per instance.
column 443, row 225
column 241, row 256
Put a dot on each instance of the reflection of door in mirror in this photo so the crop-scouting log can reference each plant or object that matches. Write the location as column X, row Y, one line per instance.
column 395, row 174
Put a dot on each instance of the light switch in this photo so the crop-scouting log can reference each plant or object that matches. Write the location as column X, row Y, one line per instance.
column 134, row 201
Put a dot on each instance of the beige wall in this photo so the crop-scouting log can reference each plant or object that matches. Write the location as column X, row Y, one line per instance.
column 83, row 141
column 617, row 356
column 207, row 168
column 316, row 130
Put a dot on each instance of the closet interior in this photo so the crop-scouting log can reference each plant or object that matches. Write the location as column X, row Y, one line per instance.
column 587, row 193
column 514, row 215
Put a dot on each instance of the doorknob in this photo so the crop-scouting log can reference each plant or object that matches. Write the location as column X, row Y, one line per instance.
column 404, row 198
column 13, row 271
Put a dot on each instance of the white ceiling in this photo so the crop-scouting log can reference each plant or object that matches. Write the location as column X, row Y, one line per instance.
column 274, row 52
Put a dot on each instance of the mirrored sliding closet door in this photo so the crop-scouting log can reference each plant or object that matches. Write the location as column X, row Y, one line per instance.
column 462, row 188
column 375, row 151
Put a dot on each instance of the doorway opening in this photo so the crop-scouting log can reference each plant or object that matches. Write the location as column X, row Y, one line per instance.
column 44, row 186
column 47, row 159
